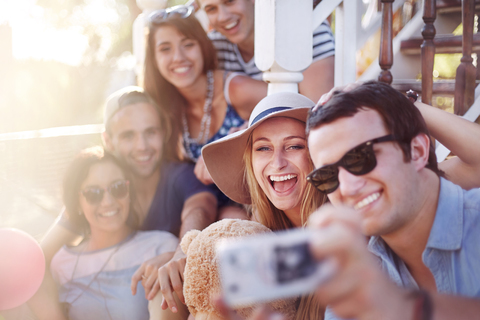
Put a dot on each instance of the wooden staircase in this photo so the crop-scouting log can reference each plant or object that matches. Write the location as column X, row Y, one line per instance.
column 467, row 76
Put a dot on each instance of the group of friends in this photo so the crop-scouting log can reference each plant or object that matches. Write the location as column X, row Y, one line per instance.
column 200, row 141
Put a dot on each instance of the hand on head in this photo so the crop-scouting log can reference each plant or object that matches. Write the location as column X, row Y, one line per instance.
column 327, row 96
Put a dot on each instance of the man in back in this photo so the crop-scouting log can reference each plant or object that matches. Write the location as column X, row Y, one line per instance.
column 372, row 154
column 233, row 37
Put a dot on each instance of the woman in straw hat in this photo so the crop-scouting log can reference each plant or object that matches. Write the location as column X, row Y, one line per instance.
column 266, row 165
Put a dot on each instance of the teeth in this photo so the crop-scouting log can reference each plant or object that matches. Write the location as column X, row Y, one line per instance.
column 366, row 201
column 283, row 178
column 181, row 69
column 231, row 25
column 108, row 214
column 144, row 158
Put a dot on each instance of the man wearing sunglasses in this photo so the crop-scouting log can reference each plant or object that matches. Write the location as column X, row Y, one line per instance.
column 374, row 160
column 233, row 37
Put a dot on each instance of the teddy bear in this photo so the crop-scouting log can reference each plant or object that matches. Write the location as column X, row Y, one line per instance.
column 201, row 275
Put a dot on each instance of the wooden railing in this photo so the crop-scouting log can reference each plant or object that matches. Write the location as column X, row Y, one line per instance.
column 386, row 45
column 466, row 72
column 428, row 50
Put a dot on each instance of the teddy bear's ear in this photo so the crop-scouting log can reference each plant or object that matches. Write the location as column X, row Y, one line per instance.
column 187, row 239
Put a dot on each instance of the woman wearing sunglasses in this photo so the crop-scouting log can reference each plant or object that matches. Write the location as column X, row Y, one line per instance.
column 204, row 104
column 94, row 277
column 266, row 166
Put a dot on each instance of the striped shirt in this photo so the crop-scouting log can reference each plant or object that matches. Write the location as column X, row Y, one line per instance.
column 230, row 59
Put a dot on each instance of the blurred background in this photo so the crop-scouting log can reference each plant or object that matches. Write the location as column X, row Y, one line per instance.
column 59, row 60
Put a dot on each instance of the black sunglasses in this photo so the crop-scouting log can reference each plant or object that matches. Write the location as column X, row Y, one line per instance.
column 118, row 189
column 358, row 161
column 158, row 16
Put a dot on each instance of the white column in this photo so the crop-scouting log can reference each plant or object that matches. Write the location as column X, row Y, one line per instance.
column 346, row 26
column 283, row 42
column 139, row 30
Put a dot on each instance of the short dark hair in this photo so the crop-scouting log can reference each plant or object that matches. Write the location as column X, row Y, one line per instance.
column 77, row 172
column 400, row 116
column 164, row 93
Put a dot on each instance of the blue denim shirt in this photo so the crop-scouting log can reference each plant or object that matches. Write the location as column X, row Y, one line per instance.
column 453, row 248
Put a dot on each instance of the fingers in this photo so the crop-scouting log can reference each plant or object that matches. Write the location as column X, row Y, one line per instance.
column 201, row 172
column 224, row 310
column 265, row 313
column 329, row 214
column 164, row 304
column 354, row 287
column 235, row 129
column 136, row 278
column 166, row 290
column 177, row 285
column 155, row 289
column 170, row 278
column 327, row 96
column 150, row 276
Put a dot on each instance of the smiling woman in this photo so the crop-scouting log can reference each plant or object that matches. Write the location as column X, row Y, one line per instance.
column 94, row 277
column 181, row 75
column 266, row 166
column 279, row 156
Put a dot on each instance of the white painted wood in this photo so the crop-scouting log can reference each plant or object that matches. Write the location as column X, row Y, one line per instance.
column 293, row 38
column 265, row 34
column 339, row 45
column 346, row 25
column 283, row 42
column 323, row 10
column 351, row 28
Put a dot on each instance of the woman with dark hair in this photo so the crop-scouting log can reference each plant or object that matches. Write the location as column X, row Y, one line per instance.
column 204, row 104
column 94, row 277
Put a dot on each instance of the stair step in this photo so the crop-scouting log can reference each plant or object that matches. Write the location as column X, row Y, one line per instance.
column 439, row 86
column 445, row 6
column 446, row 87
column 444, row 43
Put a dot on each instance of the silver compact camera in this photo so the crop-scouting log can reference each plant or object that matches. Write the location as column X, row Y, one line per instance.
column 269, row 267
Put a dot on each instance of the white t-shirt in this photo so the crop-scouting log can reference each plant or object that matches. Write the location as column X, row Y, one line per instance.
column 96, row 284
column 230, row 59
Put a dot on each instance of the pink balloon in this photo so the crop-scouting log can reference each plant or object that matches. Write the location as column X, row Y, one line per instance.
column 22, row 266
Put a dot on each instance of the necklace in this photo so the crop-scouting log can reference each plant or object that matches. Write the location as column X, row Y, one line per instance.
column 204, row 123
column 118, row 246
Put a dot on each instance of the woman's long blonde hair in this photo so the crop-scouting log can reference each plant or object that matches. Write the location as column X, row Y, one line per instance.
column 267, row 214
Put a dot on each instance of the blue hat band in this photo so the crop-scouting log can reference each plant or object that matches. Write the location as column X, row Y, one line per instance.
column 265, row 113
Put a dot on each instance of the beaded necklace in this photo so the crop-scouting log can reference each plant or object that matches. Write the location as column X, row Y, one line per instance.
column 205, row 122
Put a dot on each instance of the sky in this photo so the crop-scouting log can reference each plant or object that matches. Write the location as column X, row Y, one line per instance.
column 34, row 37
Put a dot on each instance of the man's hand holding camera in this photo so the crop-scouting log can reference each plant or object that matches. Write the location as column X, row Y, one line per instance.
column 358, row 289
